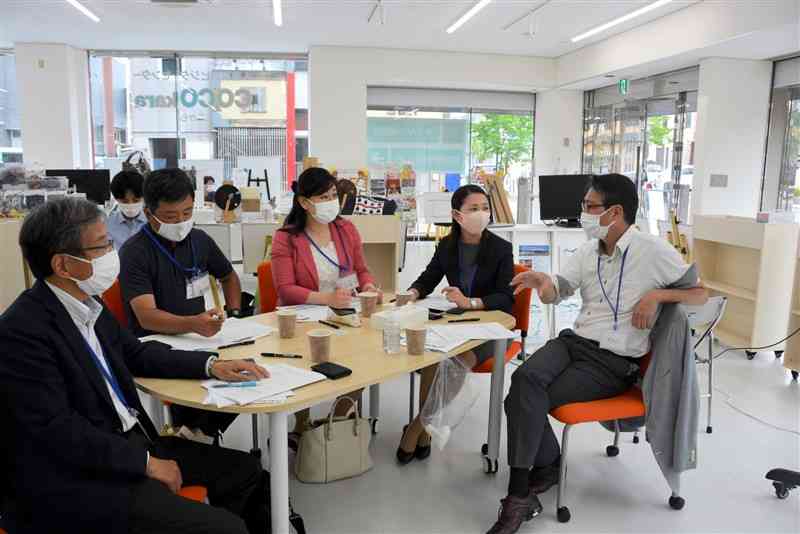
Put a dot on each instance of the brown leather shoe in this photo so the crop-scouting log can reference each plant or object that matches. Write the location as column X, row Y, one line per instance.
column 514, row 511
column 541, row 479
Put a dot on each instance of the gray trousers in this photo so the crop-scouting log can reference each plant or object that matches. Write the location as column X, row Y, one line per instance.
column 567, row 369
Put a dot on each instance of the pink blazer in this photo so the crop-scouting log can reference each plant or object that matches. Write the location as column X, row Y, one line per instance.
column 294, row 272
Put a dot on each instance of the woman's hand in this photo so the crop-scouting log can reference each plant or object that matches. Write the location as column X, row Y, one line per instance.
column 341, row 298
column 454, row 295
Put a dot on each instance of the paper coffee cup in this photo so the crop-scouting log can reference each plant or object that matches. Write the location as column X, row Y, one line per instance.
column 369, row 302
column 415, row 340
column 287, row 321
column 403, row 298
column 319, row 342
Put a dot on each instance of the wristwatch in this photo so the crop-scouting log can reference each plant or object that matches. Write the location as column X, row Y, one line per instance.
column 235, row 313
column 473, row 303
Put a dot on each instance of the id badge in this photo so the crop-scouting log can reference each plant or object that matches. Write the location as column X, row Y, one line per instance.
column 197, row 287
column 349, row 281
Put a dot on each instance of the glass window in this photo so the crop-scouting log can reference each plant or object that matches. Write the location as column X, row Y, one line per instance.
column 10, row 127
column 228, row 118
column 781, row 187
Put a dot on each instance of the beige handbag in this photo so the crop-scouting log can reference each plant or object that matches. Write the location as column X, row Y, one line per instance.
column 334, row 448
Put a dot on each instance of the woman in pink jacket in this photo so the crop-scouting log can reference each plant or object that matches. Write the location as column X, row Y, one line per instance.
column 317, row 257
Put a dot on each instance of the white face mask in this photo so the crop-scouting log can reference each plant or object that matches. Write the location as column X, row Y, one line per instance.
column 105, row 270
column 131, row 211
column 175, row 232
column 326, row 212
column 592, row 227
column 474, row 222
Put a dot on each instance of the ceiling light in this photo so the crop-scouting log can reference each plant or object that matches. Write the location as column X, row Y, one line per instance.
column 620, row 20
column 277, row 12
column 83, row 9
column 3, row 90
column 468, row 15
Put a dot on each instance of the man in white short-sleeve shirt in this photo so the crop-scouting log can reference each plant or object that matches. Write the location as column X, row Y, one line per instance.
column 622, row 275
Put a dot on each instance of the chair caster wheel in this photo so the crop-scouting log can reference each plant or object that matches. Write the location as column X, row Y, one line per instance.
column 677, row 503
column 781, row 491
column 750, row 355
column 374, row 426
column 709, row 430
column 635, row 439
column 778, row 354
column 612, row 451
column 485, row 449
column 563, row 515
column 795, row 374
column 489, row 466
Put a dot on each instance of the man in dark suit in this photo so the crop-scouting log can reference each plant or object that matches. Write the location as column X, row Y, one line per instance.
column 81, row 454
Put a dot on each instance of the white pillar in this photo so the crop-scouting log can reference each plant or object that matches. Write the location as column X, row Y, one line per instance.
column 53, row 89
column 732, row 112
column 558, row 132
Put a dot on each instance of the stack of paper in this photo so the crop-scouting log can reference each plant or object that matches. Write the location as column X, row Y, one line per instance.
column 308, row 313
column 278, row 387
column 444, row 338
column 233, row 331
column 436, row 302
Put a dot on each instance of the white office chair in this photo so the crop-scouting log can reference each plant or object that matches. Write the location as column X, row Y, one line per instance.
column 708, row 315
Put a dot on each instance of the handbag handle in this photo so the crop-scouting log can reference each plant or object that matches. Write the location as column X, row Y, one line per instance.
column 329, row 424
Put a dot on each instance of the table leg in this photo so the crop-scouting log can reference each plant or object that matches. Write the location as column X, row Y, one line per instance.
column 279, row 472
column 496, row 400
column 374, row 405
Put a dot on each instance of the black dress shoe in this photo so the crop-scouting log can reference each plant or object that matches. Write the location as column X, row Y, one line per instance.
column 404, row 457
column 422, row 452
column 514, row 511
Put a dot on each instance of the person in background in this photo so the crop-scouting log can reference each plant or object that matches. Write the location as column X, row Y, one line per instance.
column 479, row 267
column 127, row 217
column 164, row 276
column 79, row 451
column 621, row 274
column 317, row 257
column 208, row 188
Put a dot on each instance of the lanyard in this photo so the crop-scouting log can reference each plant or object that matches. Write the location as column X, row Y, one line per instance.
column 109, row 376
column 194, row 271
column 614, row 309
column 342, row 269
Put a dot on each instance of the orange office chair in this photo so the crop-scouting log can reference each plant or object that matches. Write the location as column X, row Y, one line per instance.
column 624, row 406
column 267, row 295
column 112, row 298
column 194, row 493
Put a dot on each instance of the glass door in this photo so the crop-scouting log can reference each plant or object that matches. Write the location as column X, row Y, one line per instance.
column 789, row 191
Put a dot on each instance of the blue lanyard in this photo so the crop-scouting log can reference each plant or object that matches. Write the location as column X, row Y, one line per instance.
column 614, row 309
column 346, row 268
column 109, row 376
column 194, row 271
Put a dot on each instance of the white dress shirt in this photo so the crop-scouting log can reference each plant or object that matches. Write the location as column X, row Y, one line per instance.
column 84, row 315
column 651, row 263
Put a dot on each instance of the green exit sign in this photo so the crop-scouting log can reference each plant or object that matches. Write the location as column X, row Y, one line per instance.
column 623, row 85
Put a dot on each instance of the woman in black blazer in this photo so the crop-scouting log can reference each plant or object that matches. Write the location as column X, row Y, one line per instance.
column 479, row 267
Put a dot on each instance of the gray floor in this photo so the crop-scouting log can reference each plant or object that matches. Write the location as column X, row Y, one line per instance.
column 449, row 493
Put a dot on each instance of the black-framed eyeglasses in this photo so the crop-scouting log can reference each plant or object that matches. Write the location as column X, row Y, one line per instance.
column 106, row 246
column 585, row 206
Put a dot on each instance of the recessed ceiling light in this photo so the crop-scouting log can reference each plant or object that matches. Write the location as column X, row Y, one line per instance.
column 83, row 9
column 277, row 12
column 468, row 15
column 620, row 20
column 610, row 76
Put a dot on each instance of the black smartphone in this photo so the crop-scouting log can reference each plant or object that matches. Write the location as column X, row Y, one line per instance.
column 434, row 310
column 332, row 370
column 433, row 316
column 455, row 311
column 344, row 311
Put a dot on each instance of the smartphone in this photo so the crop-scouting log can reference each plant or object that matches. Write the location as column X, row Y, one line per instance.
column 332, row 370
column 344, row 311
column 455, row 311
column 433, row 316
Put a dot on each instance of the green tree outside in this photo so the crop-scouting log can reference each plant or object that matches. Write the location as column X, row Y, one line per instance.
column 507, row 139
column 659, row 133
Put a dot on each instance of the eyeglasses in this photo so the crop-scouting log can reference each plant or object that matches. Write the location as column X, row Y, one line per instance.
column 105, row 247
column 585, row 206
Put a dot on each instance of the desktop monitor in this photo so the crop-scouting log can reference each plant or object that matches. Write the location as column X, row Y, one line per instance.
column 95, row 183
column 560, row 197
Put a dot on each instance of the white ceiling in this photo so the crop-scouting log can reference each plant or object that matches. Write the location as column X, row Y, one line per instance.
column 246, row 25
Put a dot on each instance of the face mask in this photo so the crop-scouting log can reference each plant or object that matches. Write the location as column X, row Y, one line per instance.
column 475, row 222
column 105, row 270
column 176, row 231
column 592, row 227
column 131, row 211
column 326, row 212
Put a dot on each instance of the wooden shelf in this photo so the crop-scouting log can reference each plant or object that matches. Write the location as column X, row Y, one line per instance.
column 730, row 290
column 796, row 312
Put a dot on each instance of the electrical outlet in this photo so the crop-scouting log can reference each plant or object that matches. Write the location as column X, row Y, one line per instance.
column 719, row 180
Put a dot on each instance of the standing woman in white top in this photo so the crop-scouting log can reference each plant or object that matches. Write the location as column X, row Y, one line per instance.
column 317, row 257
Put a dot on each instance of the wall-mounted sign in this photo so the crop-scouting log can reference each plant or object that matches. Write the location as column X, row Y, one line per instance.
column 623, row 85
column 216, row 99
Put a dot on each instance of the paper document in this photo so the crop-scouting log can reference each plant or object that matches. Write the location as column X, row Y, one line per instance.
column 277, row 388
column 445, row 338
column 307, row 313
column 233, row 331
column 437, row 302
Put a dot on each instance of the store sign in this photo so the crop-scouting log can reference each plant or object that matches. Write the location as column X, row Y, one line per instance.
column 207, row 98
column 623, row 85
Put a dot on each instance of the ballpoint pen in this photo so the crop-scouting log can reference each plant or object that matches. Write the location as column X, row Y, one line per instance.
column 237, row 344
column 249, row 384
column 326, row 323
column 470, row 320
column 279, row 355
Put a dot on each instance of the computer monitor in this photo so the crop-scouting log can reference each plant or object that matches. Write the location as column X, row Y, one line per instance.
column 560, row 198
column 95, row 183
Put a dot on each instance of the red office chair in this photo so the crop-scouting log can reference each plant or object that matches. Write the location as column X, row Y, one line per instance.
column 267, row 295
column 112, row 298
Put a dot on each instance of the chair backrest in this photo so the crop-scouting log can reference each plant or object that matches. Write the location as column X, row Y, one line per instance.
column 113, row 301
column 522, row 304
column 708, row 315
column 267, row 295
